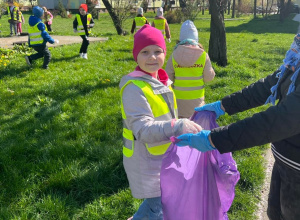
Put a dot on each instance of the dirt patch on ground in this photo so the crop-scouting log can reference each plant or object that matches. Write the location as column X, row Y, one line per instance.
column 8, row 42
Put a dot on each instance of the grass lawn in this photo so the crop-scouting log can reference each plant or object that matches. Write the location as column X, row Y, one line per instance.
column 61, row 130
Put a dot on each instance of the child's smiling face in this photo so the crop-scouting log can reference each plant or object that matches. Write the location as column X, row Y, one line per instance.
column 151, row 58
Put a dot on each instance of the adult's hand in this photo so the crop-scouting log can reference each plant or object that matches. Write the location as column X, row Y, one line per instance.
column 214, row 107
column 200, row 141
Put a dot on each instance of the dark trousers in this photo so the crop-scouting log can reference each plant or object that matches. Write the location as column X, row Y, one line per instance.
column 48, row 26
column 85, row 44
column 284, row 196
column 42, row 51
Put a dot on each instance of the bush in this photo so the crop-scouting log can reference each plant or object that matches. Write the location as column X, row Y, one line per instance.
column 174, row 16
column 62, row 10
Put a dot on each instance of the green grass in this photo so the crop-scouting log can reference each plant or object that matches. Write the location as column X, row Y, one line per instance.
column 60, row 129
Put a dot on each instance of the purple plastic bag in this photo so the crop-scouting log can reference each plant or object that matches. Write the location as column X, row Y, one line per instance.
column 196, row 185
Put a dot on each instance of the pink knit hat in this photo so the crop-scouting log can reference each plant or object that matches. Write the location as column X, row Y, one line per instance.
column 147, row 36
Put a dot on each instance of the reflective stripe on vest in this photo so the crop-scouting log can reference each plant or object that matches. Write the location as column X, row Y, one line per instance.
column 35, row 35
column 189, row 82
column 80, row 27
column 160, row 25
column 160, row 111
column 139, row 22
column 15, row 9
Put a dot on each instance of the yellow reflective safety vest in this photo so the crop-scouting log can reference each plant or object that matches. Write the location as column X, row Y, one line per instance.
column 19, row 16
column 80, row 27
column 35, row 35
column 139, row 22
column 14, row 15
column 160, row 111
column 160, row 25
column 189, row 82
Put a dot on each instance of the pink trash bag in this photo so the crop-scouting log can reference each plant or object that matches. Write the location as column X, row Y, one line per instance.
column 196, row 185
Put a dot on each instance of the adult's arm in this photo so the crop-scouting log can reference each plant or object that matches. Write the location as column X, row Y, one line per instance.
column 251, row 96
column 276, row 123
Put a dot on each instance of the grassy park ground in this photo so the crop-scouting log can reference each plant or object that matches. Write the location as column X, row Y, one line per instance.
column 60, row 129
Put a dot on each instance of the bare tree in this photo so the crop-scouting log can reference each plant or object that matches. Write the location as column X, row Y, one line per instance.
column 217, row 42
column 119, row 13
column 191, row 9
column 233, row 9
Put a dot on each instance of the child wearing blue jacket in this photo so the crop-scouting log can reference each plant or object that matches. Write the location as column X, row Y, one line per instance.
column 38, row 37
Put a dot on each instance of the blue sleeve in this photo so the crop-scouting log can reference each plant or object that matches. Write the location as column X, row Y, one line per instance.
column 45, row 35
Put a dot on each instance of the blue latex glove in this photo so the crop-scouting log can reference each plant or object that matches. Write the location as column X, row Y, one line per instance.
column 199, row 141
column 214, row 107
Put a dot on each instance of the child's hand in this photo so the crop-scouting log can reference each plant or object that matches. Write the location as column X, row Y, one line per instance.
column 75, row 30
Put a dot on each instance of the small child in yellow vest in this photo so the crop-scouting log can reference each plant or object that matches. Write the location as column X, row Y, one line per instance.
column 82, row 26
column 189, row 67
column 149, row 113
column 161, row 24
column 139, row 20
column 38, row 38
column 20, row 21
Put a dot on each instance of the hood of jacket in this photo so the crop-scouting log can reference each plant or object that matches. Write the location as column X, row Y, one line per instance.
column 187, row 55
column 33, row 20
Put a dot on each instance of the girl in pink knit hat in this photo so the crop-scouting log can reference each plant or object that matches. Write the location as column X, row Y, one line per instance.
column 149, row 113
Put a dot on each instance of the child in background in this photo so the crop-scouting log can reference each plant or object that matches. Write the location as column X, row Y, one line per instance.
column 20, row 21
column 139, row 20
column 38, row 37
column 82, row 26
column 149, row 113
column 189, row 67
column 48, row 17
column 161, row 24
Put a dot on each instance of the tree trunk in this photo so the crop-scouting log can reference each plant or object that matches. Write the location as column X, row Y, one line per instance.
column 233, row 9
column 217, row 42
column 228, row 7
column 254, row 10
column 282, row 9
column 113, row 16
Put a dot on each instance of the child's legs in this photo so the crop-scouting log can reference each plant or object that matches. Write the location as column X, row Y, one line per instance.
column 150, row 209
column 19, row 27
column 42, row 51
column 39, row 54
column 85, row 44
column 47, row 56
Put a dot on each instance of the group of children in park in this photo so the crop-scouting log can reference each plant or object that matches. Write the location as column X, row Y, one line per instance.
column 159, row 22
column 38, row 35
column 156, row 104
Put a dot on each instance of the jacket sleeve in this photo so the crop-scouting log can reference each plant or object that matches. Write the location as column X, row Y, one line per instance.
column 170, row 69
column 75, row 23
column 250, row 97
column 208, row 72
column 276, row 123
column 133, row 26
column 167, row 30
column 45, row 35
column 140, row 117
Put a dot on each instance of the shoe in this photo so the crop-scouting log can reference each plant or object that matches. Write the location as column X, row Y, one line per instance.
column 80, row 55
column 11, row 34
column 84, row 55
column 28, row 60
column 45, row 67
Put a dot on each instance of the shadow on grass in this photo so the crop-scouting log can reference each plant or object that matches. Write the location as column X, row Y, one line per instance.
column 31, row 135
column 266, row 25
